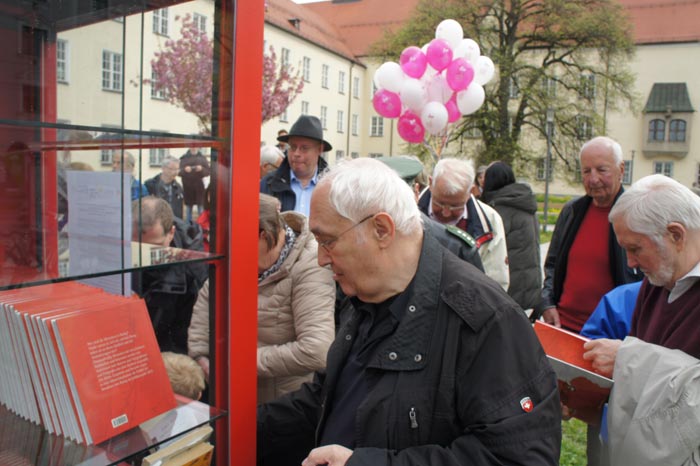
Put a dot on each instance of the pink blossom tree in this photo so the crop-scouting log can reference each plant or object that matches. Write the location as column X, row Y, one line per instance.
column 183, row 72
column 279, row 86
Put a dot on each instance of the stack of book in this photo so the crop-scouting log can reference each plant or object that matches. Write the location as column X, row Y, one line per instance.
column 83, row 363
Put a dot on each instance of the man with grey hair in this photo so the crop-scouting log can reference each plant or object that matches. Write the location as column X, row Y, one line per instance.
column 433, row 363
column 654, row 414
column 126, row 164
column 449, row 201
column 271, row 158
column 165, row 186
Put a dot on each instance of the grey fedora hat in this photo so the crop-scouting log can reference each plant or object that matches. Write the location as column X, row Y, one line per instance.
column 307, row 126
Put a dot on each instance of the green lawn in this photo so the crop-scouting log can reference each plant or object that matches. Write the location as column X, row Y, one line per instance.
column 573, row 443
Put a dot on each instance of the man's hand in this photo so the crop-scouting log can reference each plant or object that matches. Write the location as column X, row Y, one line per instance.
column 332, row 455
column 188, row 169
column 551, row 316
column 602, row 354
column 198, row 168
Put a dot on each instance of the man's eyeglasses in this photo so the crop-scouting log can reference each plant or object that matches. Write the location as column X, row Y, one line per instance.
column 302, row 148
column 451, row 208
column 329, row 243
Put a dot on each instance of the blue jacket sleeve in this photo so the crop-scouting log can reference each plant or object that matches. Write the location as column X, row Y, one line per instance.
column 613, row 315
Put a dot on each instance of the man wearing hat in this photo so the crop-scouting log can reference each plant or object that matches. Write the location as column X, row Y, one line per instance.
column 294, row 181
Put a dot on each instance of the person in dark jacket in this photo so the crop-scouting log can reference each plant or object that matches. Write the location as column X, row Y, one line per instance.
column 194, row 167
column 516, row 204
column 295, row 180
column 165, row 186
column 170, row 291
column 433, row 363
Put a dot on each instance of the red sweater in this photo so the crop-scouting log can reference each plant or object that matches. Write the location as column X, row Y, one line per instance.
column 588, row 275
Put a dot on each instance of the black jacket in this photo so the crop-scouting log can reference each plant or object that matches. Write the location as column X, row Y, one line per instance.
column 555, row 264
column 175, row 198
column 171, row 291
column 452, row 381
column 516, row 205
column 278, row 184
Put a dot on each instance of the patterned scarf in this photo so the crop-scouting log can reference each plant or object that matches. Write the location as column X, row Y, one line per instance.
column 289, row 238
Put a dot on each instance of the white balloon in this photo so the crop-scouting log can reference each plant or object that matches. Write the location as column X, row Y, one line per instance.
column 438, row 89
column 451, row 31
column 389, row 76
column 467, row 49
column 413, row 95
column 484, row 70
column 434, row 117
column 470, row 99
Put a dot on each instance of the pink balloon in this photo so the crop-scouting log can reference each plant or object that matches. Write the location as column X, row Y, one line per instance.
column 452, row 109
column 460, row 74
column 387, row 103
column 439, row 54
column 413, row 62
column 410, row 127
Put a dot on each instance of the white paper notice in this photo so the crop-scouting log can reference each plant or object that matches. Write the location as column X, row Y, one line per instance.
column 99, row 227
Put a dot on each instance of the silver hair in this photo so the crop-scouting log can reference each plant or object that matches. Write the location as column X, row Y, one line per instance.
column 609, row 143
column 270, row 154
column 655, row 201
column 458, row 175
column 169, row 159
column 364, row 186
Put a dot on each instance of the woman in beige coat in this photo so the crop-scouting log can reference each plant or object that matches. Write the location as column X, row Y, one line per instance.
column 296, row 299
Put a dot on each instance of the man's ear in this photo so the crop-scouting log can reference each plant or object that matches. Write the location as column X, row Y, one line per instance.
column 677, row 233
column 384, row 229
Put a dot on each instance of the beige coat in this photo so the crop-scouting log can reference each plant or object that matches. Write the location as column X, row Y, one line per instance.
column 295, row 317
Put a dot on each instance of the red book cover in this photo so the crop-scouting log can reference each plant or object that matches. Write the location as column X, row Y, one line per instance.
column 581, row 389
column 115, row 372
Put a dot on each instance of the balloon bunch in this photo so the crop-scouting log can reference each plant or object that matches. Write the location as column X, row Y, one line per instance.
column 434, row 85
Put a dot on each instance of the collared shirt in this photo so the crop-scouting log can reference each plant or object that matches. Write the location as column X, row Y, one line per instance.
column 684, row 283
column 377, row 323
column 302, row 194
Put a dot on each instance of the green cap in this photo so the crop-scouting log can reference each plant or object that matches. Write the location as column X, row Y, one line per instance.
column 407, row 167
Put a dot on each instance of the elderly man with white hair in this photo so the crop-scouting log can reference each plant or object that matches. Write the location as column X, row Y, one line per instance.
column 271, row 157
column 433, row 362
column 654, row 414
column 449, row 201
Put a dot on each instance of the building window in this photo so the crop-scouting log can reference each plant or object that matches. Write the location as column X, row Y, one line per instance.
column 356, row 87
column 697, row 177
column 111, row 71
column 62, row 61
column 324, row 117
column 354, row 124
column 200, row 22
column 549, row 87
column 324, row 76
column 156, row 156
column 375, row 155
column 106, row 154
column 306, row 69
column 374, row 91
column 657, row 130
column 587, row 86
column 541, row 164
column 283, row 117
column 156, row 93
column 377, row 128
column 627, row 176
column 284, row 58
column 304, row 107
column 341, row 123
column 676, row 131
column 513, row 89
column 341, row 82
column 339, row 155
column 160, row 21
column 354, row 155
column 664, row 168
column 584, row 128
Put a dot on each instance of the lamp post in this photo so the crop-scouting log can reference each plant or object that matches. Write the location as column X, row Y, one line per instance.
column 548, row 163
